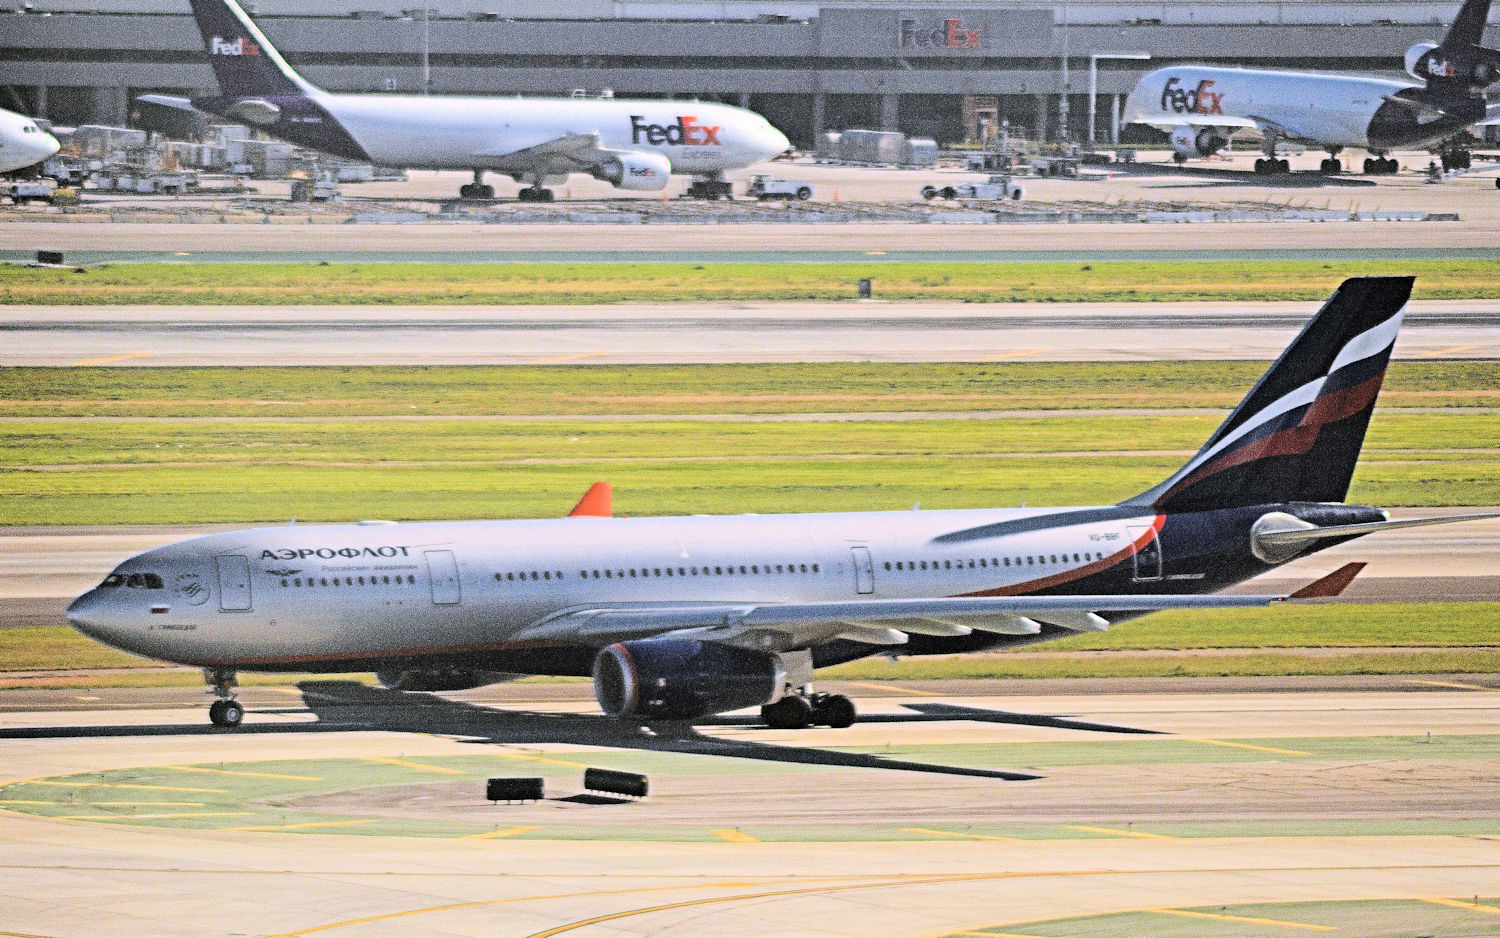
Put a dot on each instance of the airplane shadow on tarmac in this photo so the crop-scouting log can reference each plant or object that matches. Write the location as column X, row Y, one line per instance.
column 346, row 706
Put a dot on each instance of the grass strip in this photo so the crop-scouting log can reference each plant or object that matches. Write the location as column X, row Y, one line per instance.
column 603, row 390
column 553, row 283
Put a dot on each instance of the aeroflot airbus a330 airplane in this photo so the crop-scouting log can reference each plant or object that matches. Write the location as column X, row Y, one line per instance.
column 681, row 617
column 1202, row 106
column 631, row 144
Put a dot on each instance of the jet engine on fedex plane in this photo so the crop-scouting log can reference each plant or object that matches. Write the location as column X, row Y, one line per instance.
column 1198, row 141
column 1477, row 66
column 626, row 169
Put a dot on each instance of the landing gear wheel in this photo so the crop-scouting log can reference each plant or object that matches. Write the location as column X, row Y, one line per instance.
column 836, row 711
column 226, row 713
column 1283, row 166
column 474, row 191
column 788, row 713
column 1331, row 167
column 1260, row 167
column 536, row 194
column 1179, row 159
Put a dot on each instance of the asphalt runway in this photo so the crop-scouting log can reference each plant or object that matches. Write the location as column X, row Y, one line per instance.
column 342, row 810
column 700, row 333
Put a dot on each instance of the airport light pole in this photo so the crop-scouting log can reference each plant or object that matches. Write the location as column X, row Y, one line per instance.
column 1062, row 106
column 426, row 47
column 1094, row 79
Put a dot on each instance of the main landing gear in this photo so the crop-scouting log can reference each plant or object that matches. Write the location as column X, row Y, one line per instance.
column 226, row 711
column 711, row 189
column 1381, row 166
column 536, row 194
column 1272, row 167
column 1331, row 166
column 476, row 190
column 800, row 710
column 1456, row 158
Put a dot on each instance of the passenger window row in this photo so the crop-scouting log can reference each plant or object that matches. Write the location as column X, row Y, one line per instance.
column 372, row 580
column 632, row 573
column 1029, row 560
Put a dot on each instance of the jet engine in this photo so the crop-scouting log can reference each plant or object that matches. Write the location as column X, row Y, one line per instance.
column 682, row 679
column 629, row 169
column 1479, row 66
column 1421, row 60
column 1198, row 141
column 450, row 679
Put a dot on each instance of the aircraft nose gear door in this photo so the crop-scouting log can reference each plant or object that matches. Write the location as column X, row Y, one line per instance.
column 1147, row 556
column 864, row 570
column 234, row 582
column 443, row 572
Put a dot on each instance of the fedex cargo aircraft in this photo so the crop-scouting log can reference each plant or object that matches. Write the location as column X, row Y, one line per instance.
column 1202, row 106
column 677, row 618
column 629, row 144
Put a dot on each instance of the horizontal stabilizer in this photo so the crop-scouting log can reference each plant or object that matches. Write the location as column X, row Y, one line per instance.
column 169, row 100
column 1331, row 585
column 1312, row 535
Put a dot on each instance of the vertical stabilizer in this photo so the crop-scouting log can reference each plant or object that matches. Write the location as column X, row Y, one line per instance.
column 1468, row 26
column 1297, row 435
column 244, row 62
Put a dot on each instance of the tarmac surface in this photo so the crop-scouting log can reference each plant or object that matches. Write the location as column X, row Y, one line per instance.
column 636, row 333
column 344, row 810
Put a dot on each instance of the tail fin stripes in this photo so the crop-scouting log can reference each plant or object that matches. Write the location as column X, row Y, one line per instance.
column 1297, row 435
column 243, row 60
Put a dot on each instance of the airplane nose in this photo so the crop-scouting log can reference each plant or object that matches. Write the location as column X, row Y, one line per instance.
column 776, row 142
column 87, row 615
column 49, row 146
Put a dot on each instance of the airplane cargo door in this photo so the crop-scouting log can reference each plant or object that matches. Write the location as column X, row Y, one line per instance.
column 234, row 582
column 443, row 571
column 1147, row 556
column 864, row 570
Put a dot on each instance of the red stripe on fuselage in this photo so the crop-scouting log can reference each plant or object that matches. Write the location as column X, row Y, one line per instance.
column 1069, row 576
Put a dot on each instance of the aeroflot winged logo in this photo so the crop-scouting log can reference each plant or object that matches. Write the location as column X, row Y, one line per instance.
column 1201, row 100
column 686, row 132
column 241, row 46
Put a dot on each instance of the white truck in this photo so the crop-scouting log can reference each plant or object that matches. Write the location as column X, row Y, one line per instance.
column 763, row 187
column 994, row 189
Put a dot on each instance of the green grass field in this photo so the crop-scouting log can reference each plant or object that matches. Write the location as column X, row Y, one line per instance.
column 548, row 283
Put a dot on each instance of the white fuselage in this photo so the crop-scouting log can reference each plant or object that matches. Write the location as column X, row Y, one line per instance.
column 494, row 133
column 1329, row 110
column 22, row 142
column 273, row 597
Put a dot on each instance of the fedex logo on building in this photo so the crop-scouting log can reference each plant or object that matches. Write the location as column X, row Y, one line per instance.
column 1201, row 100
column 953, row 34
column 687, row 132
column 241, row 46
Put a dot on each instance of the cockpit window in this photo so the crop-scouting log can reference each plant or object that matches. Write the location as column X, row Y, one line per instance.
column 135, row 581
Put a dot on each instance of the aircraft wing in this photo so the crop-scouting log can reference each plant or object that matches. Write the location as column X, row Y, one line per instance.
column 168, row 100
column 1170, row 123
column 568, row 153
column 780, row 627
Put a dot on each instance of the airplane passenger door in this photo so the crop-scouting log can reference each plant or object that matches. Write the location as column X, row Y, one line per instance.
column 864, row 570
column 442, row 570
column 234, row 582
column 1147, row 556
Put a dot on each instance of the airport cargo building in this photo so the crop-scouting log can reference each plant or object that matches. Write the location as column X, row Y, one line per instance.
column 952, row 72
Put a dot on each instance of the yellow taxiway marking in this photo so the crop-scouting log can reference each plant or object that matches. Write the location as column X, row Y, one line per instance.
column 1119, row 833
column 211, row 791
column 195, row 768
column 529, row 757
column 735, row 836
column 112, row 358
column 18, row 801
column 507, row 832
column 1448, row 351
column 1019, row 353
column 419, row 766
column 292, row 827
column 559, row 359
column 1458, row 684
column 895, row 689
column 1462, row 904
column 959, row 834
column 1220, row 916
column 141, row 804
column 146, row 817
column 1225, row 742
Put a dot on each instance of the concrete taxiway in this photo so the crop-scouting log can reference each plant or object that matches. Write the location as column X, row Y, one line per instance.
column 345, row 811
column 635, row 333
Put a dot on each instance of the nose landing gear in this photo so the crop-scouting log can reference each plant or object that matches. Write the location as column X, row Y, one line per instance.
column 226, row 711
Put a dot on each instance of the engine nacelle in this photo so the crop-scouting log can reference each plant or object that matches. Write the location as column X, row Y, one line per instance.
column 681, row 679
column 1198, row 141
column 451, row 679
column 628, row 169
column 1423, row 61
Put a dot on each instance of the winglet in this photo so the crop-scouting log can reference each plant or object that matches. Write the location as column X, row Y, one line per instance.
column 1331, row 585
column 597, row 502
